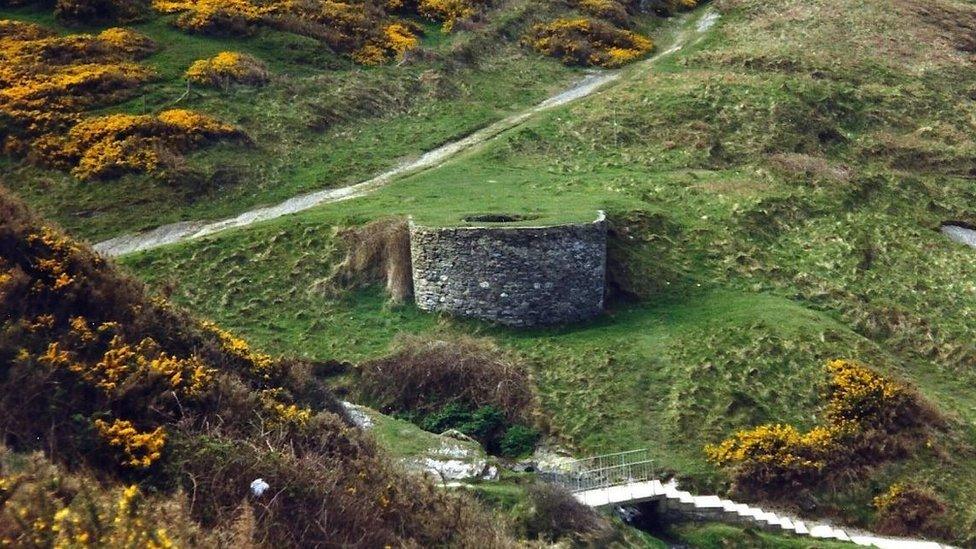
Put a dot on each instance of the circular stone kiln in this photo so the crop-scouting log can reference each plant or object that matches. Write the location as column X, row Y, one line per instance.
column 510, row 274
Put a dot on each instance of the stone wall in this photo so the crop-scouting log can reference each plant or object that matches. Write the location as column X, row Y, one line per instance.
column 517, row 276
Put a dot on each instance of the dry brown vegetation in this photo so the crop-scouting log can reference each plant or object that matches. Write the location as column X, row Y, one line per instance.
column 119, row 388
column 554, row 515
column 376, row 253
column 911, row 511
column 425, row 375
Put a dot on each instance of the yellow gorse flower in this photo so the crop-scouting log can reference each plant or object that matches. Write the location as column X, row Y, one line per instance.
column 857, row 399
column 140, row 449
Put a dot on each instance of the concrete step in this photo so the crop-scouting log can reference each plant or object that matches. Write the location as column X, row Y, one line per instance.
column 709, row 503
column 714, row 508
column 841, row 535
column 685, row 497
column 821, row 531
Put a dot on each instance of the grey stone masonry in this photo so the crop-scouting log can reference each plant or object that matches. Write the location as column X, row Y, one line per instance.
column 517, row 276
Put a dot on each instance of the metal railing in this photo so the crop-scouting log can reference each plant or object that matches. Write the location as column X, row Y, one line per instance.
column 603, row 471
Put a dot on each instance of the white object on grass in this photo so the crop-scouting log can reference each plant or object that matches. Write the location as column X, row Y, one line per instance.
column 259, row 486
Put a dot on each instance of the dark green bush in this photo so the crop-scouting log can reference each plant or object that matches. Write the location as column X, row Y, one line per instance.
column 518, row 441
column 487, row 425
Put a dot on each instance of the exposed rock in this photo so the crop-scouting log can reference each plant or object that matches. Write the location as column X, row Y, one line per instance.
column 358, row 416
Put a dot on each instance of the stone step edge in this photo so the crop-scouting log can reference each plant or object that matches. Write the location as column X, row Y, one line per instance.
column 761, row 517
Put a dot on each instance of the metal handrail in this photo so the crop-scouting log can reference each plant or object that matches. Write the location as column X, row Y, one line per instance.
column 604, row 471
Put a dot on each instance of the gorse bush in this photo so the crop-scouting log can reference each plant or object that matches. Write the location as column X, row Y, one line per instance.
column 48, row 81
column 611, row 10
column 867, row 419
column 910, row 511
column 128, row 41
column 100, row 11
column 109, row 146
column 449, row 11
column 588, row 42
column 361, row 29
column 44, row 506
column 228, row 67
column 139, row 393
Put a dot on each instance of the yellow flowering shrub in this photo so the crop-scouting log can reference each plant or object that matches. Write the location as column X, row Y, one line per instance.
column 448, row 11
column 360, row 29
column 139, row 448
column 775, row 453
column 884, row 501
column 861, row 407
column 228, row 67
column 904, row 510
column 860, row 396
column 396, row 39
column 187, row 376
column 400, row 37
column 43, row 506
column 280, row 414
column 134, row 44
column 46, row 81
column 588, row 42
column 99, row 11
column 109, row 146
column 611, row 10
column 213, row 16
column 259, row 365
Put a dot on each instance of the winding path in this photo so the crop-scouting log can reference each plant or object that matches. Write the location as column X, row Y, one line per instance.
column 588, row 85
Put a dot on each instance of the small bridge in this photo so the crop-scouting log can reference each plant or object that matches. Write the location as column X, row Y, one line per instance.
column 629, row 478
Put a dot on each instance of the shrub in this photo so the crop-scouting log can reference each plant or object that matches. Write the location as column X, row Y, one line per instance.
column 611, row 10
column 72, row 379
column 44, row 506
column 130, row 42
column 448, row 11
column 47, row 81
column 518, row 441
column 139, row 449
column 910, row 511
column 425, row 376
column 228, row 67
column 217, row 17
column 858, row 396
column 867, row 419
column 395, row 40
column 554, row 515
column 468, row 385
column 588, row 42
column 112, row 145
column 774, row 455
column 100, row 11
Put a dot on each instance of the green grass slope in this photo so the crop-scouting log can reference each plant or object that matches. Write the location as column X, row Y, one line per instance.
column 795, row 166
column 321, row 122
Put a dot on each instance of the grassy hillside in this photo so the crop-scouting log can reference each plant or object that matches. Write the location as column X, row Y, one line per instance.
column 784, row 178
column 122, row 397
column 322, row 120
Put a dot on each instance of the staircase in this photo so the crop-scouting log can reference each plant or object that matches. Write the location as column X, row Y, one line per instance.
column 627, row 478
